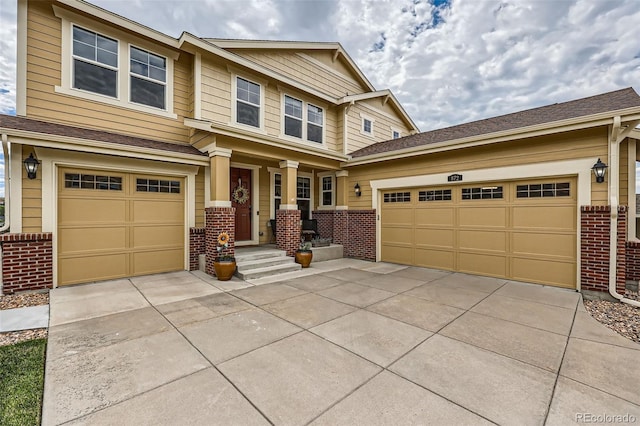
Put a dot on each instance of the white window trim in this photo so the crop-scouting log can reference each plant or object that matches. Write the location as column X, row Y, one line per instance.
column 303, row 129
column 364, row 117
column 234, row 99
column 305, row 122
column 273, row 171
column 396, row 131
column 321, row 176
column 130, row 74
column 69, row 19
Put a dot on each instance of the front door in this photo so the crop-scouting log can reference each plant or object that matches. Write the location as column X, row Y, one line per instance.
column 241, row 201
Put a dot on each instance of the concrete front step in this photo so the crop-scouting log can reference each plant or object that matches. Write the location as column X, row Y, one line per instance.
column 245, row 265
column 267, row 271
column 246, row 256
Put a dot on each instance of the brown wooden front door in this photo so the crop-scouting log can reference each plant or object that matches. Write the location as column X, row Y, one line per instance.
column 241, row 201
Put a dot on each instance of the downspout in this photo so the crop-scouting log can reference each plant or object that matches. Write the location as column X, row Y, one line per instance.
column 614, row 189
column 7, row 184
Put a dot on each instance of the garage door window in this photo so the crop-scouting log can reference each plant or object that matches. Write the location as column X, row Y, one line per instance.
column 397, row 197
column 435, row 195
column 482, row 193
column 105, row 183
column 555, row 189
column 156, row 185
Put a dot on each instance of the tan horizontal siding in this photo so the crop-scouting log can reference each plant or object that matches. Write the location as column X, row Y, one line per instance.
column 31, row 199
column 44, row 73
column 200, row 197
column 382, row 124
column 293, row 66
column 216, row 92
column 580, row 144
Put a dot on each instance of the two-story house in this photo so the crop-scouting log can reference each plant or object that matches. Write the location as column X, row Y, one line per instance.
column 149, row 146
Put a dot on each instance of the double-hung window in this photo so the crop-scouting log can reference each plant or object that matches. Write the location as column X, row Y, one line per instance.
column 292, row 117
column 304, row 197
column 326, row 191
column 303, row 120
column 148, row 78
column 95, row 62
column 247, row 102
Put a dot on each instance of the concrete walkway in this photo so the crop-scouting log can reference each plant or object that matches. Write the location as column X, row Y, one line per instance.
column 24, row 318
column 354, row 343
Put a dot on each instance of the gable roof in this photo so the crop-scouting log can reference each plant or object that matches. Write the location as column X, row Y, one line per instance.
column 606, row 102
column 29, row 127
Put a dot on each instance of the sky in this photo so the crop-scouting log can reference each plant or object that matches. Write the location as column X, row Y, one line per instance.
column 447, row 61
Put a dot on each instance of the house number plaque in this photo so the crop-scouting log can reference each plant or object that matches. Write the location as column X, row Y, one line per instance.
column 454, row 178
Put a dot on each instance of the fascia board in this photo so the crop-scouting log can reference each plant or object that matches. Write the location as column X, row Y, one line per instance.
column 380, row 94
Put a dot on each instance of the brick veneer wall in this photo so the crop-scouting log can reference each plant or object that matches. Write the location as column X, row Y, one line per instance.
column 595, row 230
column 356, row 231
column 27, row 262
column 197, row 246
column 325, row 222
column 288, row 230
column 633, row 261
column 217, row 220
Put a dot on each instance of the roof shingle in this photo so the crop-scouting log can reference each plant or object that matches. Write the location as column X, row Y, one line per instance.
column 611, row 101
column 44, row 127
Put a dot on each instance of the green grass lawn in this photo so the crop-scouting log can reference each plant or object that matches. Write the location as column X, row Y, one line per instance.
column 22, row 382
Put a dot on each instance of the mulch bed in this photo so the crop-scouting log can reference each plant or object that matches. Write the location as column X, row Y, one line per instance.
column 622, row 318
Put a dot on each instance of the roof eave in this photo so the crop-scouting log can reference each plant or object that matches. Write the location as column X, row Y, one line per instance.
column 594, row 120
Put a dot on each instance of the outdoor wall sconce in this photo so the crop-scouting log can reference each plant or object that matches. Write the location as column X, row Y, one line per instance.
column 357, row 190
column 599, row 169
column 31, row 165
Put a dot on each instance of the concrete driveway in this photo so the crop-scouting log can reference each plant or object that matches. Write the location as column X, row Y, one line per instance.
column 354, row 343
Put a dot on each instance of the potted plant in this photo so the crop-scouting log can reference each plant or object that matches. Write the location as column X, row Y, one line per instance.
column 304, row 253
column 224, row 264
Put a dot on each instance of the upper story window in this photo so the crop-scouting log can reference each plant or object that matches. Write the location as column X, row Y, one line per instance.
column 367, row 126
column 95, row 62
column 292, row 117
column 295, row 126
column 395, row 134
column 247, row 102
column 148, row 78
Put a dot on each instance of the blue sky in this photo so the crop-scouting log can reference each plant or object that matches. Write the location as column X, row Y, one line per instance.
column 447, row 61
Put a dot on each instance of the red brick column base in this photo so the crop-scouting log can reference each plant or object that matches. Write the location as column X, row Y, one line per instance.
column 633, row 261
column 27, row 262
column 217, row 220
column 356, row 231
column 594, row 251
column 288, row 230
column 197, row 246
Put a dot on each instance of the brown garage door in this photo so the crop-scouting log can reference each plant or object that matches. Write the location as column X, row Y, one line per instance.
column 521, row 230
column 113, row 225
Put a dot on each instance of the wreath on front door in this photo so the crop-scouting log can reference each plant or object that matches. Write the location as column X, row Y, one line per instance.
column 240, row 194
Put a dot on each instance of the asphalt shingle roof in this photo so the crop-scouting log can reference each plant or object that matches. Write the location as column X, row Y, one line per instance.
column 37, row 126
column 611, row 101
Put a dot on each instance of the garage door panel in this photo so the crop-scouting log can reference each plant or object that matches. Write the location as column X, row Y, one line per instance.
column 548, row 244
column 435, row 216
column 437, row 259
column 157, row 211
column 91, row 211
column 546, row 271
column 482, row 216
column 397, row 235
column 82, row 240
column 484, row 264
column 434, row 237
column 92, row 268
column 546, row 217
column 395, row 216
column 483, row 240
column 149, row 236
column 151, row 262
column 397, row 254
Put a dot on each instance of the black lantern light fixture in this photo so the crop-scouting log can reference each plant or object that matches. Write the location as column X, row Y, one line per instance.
column 357, row 190
column 599, row 169
column 31, row 165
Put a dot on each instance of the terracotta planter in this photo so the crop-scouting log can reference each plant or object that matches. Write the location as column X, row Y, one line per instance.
column 225, row 269
column 304, row 258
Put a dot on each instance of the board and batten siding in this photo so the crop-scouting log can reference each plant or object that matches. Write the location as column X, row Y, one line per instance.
column 44, row 72
column 590, row 143
column 31, row 198
column 384, row 120
column 302, row 67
